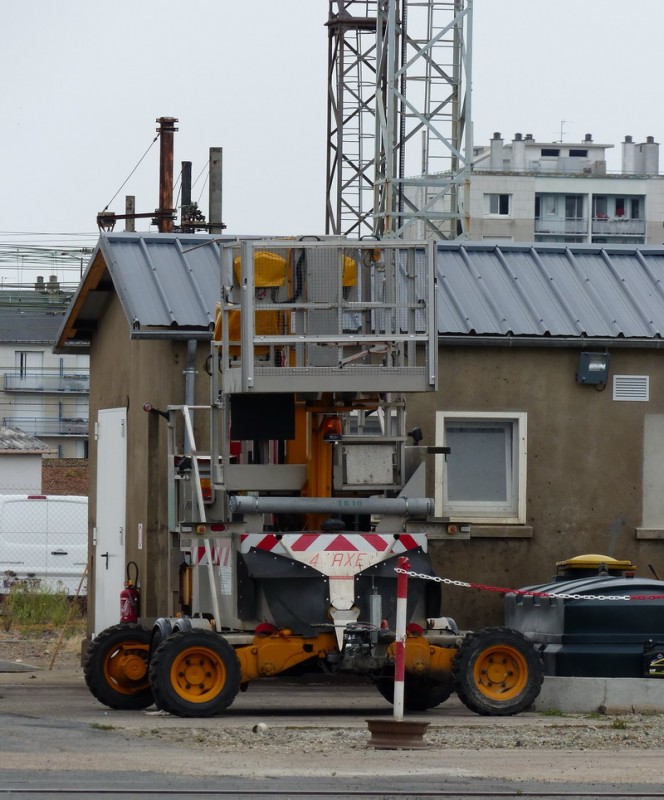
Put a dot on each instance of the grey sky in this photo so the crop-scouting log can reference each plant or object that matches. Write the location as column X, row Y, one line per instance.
column 83, row 83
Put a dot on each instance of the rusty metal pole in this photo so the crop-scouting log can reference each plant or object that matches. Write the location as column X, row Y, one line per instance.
column 165, row 211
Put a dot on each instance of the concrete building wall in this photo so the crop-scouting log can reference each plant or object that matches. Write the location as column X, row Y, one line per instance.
column 593, row 478
column 21, row 473
column 136, row 372
column 518, row 226
column 655, row 217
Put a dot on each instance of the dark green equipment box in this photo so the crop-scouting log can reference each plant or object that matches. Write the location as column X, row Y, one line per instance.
column 586, row 636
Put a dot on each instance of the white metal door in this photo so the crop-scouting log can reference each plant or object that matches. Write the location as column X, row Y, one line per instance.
column 109, row 551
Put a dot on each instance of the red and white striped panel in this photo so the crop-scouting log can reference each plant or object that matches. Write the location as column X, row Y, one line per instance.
column 221, row 555
column 335, row 553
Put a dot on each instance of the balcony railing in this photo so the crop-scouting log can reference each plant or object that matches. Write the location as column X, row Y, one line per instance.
column 49, row 426
column 574, row 226
column 619, row 227
column 49, row 382
column 578, row 226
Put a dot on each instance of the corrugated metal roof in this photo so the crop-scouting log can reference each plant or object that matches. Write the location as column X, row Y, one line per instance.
column 171, row 282
column 163, row 281
column 550, row 290
column 13, row 440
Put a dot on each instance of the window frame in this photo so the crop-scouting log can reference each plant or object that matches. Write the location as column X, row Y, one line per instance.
column 500, row 197
column 513, row 511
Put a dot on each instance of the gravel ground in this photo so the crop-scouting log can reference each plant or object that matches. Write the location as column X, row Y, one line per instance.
column 37, row 648
column 569, row 732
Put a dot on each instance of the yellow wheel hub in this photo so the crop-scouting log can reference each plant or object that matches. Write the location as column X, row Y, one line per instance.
column 198, row 674
column 126, row 668
column 500, row 672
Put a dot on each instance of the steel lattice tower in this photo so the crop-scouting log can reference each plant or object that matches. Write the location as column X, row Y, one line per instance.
column 399, row 134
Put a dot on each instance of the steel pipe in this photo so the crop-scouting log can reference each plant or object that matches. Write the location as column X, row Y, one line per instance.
column 403, row 506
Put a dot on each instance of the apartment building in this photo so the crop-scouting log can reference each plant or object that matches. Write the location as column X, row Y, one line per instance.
column 42, row 394
column 526, row 190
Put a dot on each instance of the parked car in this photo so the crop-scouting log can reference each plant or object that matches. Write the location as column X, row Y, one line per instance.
column 43, row 541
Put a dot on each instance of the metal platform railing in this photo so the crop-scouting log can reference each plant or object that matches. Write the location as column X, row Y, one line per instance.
column 327, row 316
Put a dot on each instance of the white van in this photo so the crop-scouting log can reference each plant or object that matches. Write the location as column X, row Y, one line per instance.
column 43, row 538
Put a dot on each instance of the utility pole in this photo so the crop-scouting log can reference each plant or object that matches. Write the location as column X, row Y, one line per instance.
column 130, row 210
column 215, row 194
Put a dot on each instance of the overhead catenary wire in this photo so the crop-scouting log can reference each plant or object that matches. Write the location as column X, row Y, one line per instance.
column 207, row 175
column 131, row 173
column 21, row 264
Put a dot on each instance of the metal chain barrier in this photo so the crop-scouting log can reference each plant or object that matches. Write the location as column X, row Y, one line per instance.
column 526, row 592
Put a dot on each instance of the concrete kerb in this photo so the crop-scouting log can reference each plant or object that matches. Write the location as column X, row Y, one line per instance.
column 603, row 695
column 15, row 666
column 20, row 672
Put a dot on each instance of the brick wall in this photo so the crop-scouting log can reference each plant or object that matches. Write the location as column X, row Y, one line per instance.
column 65, row 476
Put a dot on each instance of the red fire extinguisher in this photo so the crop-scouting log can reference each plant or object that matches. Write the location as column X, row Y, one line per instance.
column 130, row 598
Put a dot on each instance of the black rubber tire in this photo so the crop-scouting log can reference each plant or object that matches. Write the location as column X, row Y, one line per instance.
column 419, row 693
column 161, row 630
column 184, row 659
column 116, row 667
column 497, row 671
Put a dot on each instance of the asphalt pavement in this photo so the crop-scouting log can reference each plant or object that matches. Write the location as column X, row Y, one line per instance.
column 284, row 739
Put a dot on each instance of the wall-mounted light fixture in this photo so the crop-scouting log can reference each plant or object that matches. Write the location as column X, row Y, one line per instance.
column 593, row 369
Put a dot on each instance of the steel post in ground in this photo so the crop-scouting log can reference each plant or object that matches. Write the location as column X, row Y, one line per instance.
column 400, row 643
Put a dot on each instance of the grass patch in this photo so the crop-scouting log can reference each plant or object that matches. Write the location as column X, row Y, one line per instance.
column 552, row 712
column 29, row 607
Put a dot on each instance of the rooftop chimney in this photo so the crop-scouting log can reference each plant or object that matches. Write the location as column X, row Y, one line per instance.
column 518, row 153
column 496, row 161
column 589, row 137
column 628, row 156
column 649, row 153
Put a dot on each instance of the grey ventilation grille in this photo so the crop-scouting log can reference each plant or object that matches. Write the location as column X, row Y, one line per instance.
column 635, row 388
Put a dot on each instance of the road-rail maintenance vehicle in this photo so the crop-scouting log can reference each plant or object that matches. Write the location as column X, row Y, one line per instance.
column 310, row 487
